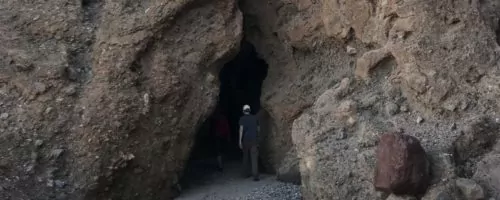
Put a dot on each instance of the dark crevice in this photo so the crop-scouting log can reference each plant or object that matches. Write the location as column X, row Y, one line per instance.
column 497, row 32
column 241, row 82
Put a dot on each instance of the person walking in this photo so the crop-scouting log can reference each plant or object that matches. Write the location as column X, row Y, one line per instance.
column 249, row 128
column 222, row 137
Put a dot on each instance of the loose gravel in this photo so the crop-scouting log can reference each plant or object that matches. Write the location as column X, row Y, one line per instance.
column 229, row 185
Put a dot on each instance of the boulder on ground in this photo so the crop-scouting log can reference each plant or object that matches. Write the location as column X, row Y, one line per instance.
column 470, row 189
column 402, row 167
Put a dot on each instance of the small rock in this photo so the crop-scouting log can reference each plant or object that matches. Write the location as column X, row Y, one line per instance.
column 404, row 108
column 60, row 184
column 470, row 189
column 56, row 153
column 342, row 135
column 4, row 116
column 40, row 88
column 34, row 156
column 391, row 108
column 351, row 50
column 420, row 119
column 48, row 110
column 50, row 183
column 29, row 168
column 70, row 90
column 453, row 126
column 444, row 196
column 394, row 197
column 38, row 143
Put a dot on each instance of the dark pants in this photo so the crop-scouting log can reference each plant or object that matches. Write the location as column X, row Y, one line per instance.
column 250, row 153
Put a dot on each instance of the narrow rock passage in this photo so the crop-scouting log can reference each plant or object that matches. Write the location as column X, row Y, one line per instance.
column 229, row 185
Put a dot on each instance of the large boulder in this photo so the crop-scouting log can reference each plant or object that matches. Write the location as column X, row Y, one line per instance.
column 402, row 165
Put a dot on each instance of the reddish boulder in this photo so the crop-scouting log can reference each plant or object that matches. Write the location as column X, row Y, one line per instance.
column 402, row 165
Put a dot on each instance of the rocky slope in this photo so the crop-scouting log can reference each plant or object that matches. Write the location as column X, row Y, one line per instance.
column 101, row 99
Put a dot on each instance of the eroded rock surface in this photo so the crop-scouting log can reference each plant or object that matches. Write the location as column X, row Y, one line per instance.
column 120, row 85
column 109, row 87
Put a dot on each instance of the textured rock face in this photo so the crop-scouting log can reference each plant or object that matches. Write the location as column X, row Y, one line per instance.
column 402, row 165
column 437, row 61
column 105, row 96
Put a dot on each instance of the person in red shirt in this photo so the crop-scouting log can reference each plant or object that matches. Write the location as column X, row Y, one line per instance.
column 222, row 136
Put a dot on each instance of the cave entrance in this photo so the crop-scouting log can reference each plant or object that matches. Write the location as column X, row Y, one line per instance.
column 241, row 82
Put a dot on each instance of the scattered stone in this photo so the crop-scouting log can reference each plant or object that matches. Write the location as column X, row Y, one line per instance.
column 34, row 156
column 444, row 196
column 70, row 90
column 351, row 50
column 30, row 168
column 453, row 126
column 488, row 174
column 56, row 153
column 50, row 183
column 4, row 116
column 402, row 167
column 60, row 184
column 477, row 137
column 342, row 135
column 419, row 120
column 38, row 143
column 391, row 108
column 404, row 108
column 48, row 110
column 40, row 88
column 470, row 189
column 395, row 197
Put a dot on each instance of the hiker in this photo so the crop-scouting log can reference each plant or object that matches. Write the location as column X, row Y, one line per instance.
column 222, row 136
column 249, row 128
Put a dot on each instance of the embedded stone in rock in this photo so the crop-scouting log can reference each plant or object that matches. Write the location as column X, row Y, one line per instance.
column 470, row 189
column 477, row 137
column 488, row 174
column 402, row 166
column 351, row 50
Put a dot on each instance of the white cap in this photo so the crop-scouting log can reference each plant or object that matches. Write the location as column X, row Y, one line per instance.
column 246, row 107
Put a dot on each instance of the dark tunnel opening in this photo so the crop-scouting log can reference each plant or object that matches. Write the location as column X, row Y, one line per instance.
column 241, row 82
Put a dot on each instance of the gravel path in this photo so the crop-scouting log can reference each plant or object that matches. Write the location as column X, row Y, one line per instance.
column 229, row 185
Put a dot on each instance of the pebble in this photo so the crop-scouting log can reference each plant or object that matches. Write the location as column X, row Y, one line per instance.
column 38, row 143
column 453, row 126
column 56, row 153
column 40, row 88
column 280, row 191
column 391, row 108
column 351, row 50
column 420, row 119
column 470, row 189
column 4, row 116
column 60, row 184
column 50, row 183
column 404, row 108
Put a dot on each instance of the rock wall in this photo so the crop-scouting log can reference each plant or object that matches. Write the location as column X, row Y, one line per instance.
column 101, row 99
column 343, row 72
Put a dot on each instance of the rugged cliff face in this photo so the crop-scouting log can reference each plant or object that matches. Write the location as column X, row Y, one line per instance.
column 101, row 99
column 343, row 72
